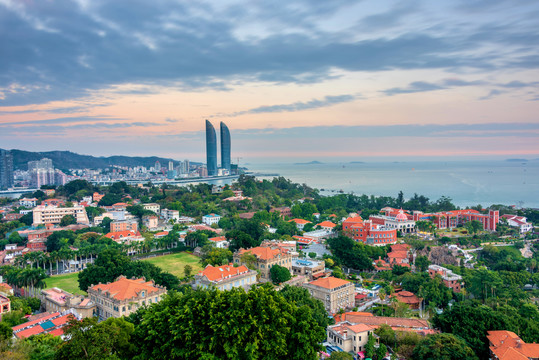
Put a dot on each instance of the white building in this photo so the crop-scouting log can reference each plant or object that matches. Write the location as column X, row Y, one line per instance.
column 28, row 202
column 152, row 207
column 219, row 242
column 520, row 222
column 54, row 214
column 168, row 214
column 211, row 219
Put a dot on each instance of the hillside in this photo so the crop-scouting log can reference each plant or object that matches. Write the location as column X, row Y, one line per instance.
column 69, row 160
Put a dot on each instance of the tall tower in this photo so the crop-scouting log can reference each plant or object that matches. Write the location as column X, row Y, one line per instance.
column 225, row 147
column 6, row 169
column 211, row 149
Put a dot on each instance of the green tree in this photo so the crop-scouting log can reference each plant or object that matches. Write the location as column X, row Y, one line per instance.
column 68, row 220
column 262, row 322
column 187, row 270
column 422, row 263
column 381, row 352
column 473, row 226
column 443, row 347
column 240, row 240
column 312, row 255
column 300, row 297
column 5, row 331
column 279, row 274
column 340, row 355
column 215, row 256
column 387, row 335
column 43, row 347
column 369, row 347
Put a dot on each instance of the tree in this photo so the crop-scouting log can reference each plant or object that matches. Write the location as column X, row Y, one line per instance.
column 473, row 226
column 68, row 220
column 443, row 347
column 5, row 331
column 387, row 335
column 369, row 347
column 90, row 340
column 43, row 347
column 312, row 255
column 273, row 325
column 279, row 274
column 240, row 240
column 381, row 352
column 187, row 270
column 215, row 256
column 422, row 263
column 300, row 297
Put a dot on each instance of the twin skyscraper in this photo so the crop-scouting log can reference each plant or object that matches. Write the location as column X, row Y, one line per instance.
column 211, row 148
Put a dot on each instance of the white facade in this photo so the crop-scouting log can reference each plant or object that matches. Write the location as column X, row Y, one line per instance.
column 28, row 202
column 53, row 214
column 168, row 214
column 152, row 207
column 211, row 219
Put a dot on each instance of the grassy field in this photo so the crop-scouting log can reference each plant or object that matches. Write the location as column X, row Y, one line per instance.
column 67, row 282
column 174, row 263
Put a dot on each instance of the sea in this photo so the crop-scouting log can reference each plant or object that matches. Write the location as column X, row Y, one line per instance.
column 467, row 183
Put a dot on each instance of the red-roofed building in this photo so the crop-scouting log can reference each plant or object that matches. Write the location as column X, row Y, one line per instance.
column 303, row 240
column 368, row 232
column 266, row 255
column 334, row 293
column 408, row 298
column 349, row 337
column 506, row 345
column 300, row 223
column 225, row 277
column 51, row 324
column 326, row 225
column 284, row 211
column 124, row 296
column 219, row 242
column 5, row 305
column 519, row 222
column 125, row 236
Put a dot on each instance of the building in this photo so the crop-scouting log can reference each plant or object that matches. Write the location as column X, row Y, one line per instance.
column 300, row 223
column 506, row 345
column 225, row 147
column 124, row 296
column 452, row 219
column 349, row 337
column 211, row 219
column 53, row 215
column 326, row 225
column 312, row 269
column 211, row 149
column 97, row 197
column 125, row 236
column 219, row 242
column 6, row 169
column 450, row 279
column 168, row 214
column 400, row 222
column 225, row 277
column 398, row 324
column 28, row 202
column 284, row 211
column 45, row 324
column 156, row 208
column 151, row 222
column 58, row 300
column 334, row 293
column 409, row 299
column 519, row 222
column 266, row 256
column 126, row 225
column 368, row 232
column 5, row 305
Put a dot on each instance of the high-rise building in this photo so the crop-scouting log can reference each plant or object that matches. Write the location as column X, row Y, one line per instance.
column 225, row 147
column 185, row 167
column 6, row 169
column 211, row 149
column 170, row 165
column 157, row 166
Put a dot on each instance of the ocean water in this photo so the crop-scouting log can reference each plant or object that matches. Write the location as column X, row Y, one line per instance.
column 467, row 183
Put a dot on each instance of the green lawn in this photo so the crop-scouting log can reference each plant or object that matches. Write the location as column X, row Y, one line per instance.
column 67, row 282
column 174, row 263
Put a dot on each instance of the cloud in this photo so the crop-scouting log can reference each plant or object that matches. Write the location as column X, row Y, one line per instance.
column 64, row 50
column 299, row 106
column 492, row 93
column 423, row 86
column 63, row 120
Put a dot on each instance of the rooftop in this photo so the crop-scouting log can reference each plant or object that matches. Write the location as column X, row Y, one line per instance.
column 330, row 282
column 124, row 288
column 223, row 272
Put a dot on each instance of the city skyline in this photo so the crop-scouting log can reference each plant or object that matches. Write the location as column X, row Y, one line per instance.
column 211, row 149
column 299, row 81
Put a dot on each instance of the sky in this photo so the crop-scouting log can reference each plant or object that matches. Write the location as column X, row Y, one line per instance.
column 312, row 80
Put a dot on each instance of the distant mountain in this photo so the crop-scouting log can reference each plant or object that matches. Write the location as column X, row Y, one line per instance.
column 69, row 160
column 310, row 163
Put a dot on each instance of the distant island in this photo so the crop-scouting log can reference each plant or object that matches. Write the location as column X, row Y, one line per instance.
column 516, row 160
column 356, row 162
column 310, row 163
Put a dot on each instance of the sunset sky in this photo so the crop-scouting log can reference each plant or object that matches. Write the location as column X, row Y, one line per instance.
column 324, row 80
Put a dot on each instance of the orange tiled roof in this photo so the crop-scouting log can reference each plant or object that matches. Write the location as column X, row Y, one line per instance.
column 223, row 272
column 125, row 288
column 326, row 224
column 262, row 252
column 398, row 254
column 217, row 238
column 400, row 247
column 507, row 345
column 122, row 234
column 339, row 317
column 329, row 282
column 300, row 221
column 407, row 297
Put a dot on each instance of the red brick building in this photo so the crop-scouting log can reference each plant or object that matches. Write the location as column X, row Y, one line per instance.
column 368, row 232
